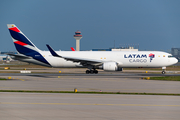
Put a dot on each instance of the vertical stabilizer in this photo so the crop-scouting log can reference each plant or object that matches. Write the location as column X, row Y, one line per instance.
column 22, row 43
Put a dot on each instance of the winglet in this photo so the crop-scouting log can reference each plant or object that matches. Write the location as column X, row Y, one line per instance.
column 52, row 51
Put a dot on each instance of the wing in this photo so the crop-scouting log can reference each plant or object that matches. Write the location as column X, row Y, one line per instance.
column 83, row 61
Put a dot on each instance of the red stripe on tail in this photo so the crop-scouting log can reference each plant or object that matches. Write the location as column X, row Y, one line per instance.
column 20, row 43
column 15, row 29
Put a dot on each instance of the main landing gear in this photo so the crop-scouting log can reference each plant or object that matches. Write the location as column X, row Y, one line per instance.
column 91, row 71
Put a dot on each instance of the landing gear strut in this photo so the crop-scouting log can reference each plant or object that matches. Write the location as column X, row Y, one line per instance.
column 163, row 70
column 91, row 71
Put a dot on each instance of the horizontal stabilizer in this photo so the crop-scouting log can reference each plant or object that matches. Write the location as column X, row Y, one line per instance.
column 17, row 56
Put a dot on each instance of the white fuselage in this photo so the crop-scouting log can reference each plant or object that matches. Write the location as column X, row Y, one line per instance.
column 123, row 59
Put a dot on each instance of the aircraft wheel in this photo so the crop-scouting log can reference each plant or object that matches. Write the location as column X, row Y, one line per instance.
column 163, row 72
column 87, row 71
column 95, row 71
column 91, row 71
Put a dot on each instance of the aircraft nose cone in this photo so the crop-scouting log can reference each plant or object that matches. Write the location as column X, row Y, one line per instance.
column 175, row 61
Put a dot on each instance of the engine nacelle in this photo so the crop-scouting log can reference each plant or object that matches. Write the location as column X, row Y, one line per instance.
column 111, row 66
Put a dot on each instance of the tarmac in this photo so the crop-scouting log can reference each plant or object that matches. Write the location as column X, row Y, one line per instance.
column 52, row 106
column 45, row 106
column 122, row 82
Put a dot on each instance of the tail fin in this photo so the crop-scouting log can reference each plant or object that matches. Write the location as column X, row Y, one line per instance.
column 21, row 42
column 24, row 45
column 73, row 49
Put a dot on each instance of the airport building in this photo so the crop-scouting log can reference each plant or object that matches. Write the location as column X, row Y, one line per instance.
column 117, row 49
column 10, row 52
column 176, row 53
column 5, row 57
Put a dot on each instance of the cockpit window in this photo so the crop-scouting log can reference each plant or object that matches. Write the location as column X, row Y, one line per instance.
column 170, row 56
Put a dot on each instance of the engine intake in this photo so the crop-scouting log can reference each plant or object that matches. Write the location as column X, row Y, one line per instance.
column 111, row 66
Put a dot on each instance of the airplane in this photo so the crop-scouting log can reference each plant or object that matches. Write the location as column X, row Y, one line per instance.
column 92, row 60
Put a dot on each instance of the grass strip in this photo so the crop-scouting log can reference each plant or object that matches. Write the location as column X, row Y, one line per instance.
column 89, row 92
column 3, row 79
column 168, row 78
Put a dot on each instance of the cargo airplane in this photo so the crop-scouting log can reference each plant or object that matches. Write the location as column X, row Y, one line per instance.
column 92, row 60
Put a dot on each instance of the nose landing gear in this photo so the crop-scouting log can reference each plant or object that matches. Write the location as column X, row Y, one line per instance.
column 163, row 70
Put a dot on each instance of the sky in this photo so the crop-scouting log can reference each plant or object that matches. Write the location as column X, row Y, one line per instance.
column 153, row 24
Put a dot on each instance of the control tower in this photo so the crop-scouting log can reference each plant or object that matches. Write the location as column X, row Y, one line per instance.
column 77, row 36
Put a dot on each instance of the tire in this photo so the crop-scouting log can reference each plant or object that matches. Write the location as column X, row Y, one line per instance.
column 87, row 71
column 163, row 72
column 95, row 71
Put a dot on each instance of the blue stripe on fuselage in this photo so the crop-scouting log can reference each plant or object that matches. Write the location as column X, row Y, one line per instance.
column 20, row 37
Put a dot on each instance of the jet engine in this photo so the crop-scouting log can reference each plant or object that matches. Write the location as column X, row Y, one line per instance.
column 111, row 66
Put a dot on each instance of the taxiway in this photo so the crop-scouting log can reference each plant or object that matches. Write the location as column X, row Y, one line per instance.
column 46, row 106
column 124, row 82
